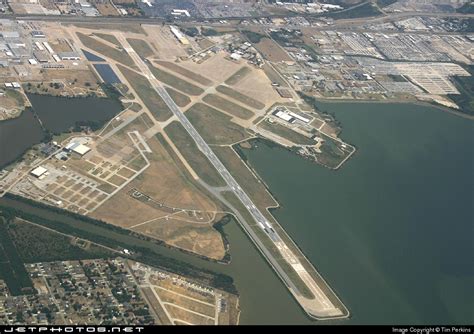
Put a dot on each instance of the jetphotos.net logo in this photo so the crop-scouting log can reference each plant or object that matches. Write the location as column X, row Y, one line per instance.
column 70, row 329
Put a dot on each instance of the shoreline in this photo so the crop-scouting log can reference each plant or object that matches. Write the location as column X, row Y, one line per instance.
column 419, row 103
column 334, row 297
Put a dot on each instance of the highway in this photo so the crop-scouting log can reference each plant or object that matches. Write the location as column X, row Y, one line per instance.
column 320, row 307
column 160, row 21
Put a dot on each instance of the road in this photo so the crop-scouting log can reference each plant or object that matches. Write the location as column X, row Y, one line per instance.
column 320, row 307
column 160, row 21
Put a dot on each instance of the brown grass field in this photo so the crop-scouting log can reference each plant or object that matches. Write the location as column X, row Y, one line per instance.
column 185, row 72
column 120, row 56
column 228, row 106
column 247, row 180
column 217, row 68
column 109, row 38
column 214, row 126
column 181, row 100
column 172, row 187
column 252, row 103
column 272, row 51
column 237, row 76
column 198, row 161
column 141, row 47
column 175, row 82
column 149, row 96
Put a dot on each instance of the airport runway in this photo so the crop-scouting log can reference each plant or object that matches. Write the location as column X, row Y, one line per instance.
column 322, row 304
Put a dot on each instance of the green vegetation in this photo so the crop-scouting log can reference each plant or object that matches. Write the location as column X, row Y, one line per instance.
column 228, row 106
column 175, row 82
column 465, row 85
column 144, row 249
column 193, row 155
column 37, row 244
column 214, row 126
column 141, row 47
column 109, row 38
column 286, row 133
column 12, row 270
column 237, row 76
column 120, row 56
column 247, row 100
column 367, row 9
column 209, row 32
column 192, row 31
column 149, row 96
column 253, row 37
column 180, row 99
column 332, row 154
column 185, row 73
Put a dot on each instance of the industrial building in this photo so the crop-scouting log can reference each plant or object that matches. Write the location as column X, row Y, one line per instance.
column 39, row 172
column 69, row 55
column 77, row 148
column 284, row 116
column 179, row 36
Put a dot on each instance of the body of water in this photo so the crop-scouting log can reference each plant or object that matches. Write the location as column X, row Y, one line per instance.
column 91, row 56
column 107, row 73
column 391, row 231
column 57, row 114
column 17, row 135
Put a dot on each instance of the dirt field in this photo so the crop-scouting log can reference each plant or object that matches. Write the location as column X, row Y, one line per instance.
column 197, row 238
column 71, row 82
column 60, row 45
column 171, row 187
column 105, row 8
column 272, row 51
column 258, row 87
column 216, row 68
column 237, row 76
column 167, row 47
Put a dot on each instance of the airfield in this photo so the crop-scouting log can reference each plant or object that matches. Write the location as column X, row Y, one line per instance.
column 166, row 166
